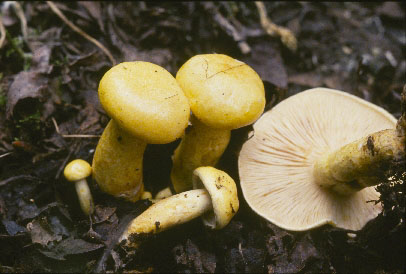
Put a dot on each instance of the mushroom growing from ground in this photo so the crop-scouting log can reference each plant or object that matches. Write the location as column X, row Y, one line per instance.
column 214, row 198
column 224, row 94
column 77, row 171
column 146, row 105
column 313, row 159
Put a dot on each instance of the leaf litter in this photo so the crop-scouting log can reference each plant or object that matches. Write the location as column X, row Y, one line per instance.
column 48, row 90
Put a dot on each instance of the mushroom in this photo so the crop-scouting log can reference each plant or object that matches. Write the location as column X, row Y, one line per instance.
column 313, row 159
column 77, row 171
column 146, row 105
column 214, row 198
column 224, row 94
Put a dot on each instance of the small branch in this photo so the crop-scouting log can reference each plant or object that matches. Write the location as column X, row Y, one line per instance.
column 228, row 27
column 2, row 33
column 5, row 154
column 81, row 32
column 18, row 177
column 80, row 136
column 23, row 20
column 287, row 37
column 72, row 135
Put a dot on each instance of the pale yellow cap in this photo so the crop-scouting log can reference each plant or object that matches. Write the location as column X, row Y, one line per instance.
column 77, row 170
column 276, row 164
column 145, row 100
column 223, row 92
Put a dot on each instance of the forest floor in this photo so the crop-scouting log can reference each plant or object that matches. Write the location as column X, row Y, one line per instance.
column 50, row 115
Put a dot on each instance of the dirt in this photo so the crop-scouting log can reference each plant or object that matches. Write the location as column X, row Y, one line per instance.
column 50, row 114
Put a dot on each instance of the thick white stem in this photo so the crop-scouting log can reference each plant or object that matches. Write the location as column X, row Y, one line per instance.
column 175, row 210
column 85, row 197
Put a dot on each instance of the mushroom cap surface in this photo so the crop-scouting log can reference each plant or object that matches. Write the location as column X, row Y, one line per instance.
column 223, row 194
column 77, row 170
column 276, row 164
column 223, row 92
column 145, row 100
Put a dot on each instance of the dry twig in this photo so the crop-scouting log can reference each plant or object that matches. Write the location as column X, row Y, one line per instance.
column 20, row 14
column 2, row 33
column 227, row 27
column 5, row 154
column 81, row 32
column 287, row 37
column 18, row 177
column 72, row 135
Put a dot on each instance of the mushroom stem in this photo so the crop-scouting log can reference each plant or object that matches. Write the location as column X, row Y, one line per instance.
column 178, row 209
column 201, row 146
column 85, row 196
column 117, row 163
column 214, row 198
column 361, row 163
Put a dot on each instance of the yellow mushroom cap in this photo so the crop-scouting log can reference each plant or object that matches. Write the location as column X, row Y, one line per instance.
column 223, row 195
column 276, row 164
column 145, row 100
column 77, row 170
column 223, row 92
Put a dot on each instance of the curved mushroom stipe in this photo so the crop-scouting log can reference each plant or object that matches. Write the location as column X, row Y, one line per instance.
column 77, row 171
column 217, row 203
column 313, row 158
column 223, row 94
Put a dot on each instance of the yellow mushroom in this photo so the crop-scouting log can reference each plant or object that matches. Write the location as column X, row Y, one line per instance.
column 224, row 94
column 146, row 105
column 214, row 198
column 77, row 171
column 314, row 158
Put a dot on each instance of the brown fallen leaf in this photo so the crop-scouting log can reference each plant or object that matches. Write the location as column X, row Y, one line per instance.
column 27, row 84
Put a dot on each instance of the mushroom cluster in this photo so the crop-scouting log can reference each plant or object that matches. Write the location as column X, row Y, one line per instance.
column 147, row 105
column 313, row 158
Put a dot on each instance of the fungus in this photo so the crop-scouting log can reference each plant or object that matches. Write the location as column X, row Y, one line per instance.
column 313, row 159
column 214, row 198
column 146, row 105
column 224, row 94
column 77, row 171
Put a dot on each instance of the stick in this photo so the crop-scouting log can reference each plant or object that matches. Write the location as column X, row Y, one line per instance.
column 81, row 32
column 287, row 37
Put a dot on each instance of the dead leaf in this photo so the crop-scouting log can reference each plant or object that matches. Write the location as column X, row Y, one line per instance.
column 70, row 246
column 12, row 227
column 40, row 59
column 308, row 79
column 27, row 84
column 95, row 11
column 102, row 214
column 40, row 234
column 266, row 60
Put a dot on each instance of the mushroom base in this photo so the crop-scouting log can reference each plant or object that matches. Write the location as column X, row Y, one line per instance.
column 200, row 146
column 361, row 163
column 117, row 163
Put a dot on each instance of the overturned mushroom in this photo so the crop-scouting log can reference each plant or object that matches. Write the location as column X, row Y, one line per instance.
column 146, row 105
column 214, row 198
column 77, row 171
column 313, row 159
column 224, row 94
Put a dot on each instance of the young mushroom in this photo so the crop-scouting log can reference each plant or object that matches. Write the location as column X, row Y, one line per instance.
column 77, row 171
column 313, row 159
column 146, row 105
column 214, row 198
column 224, row 94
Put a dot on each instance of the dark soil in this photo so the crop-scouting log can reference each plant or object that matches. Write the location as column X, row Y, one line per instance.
column 48, row 89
